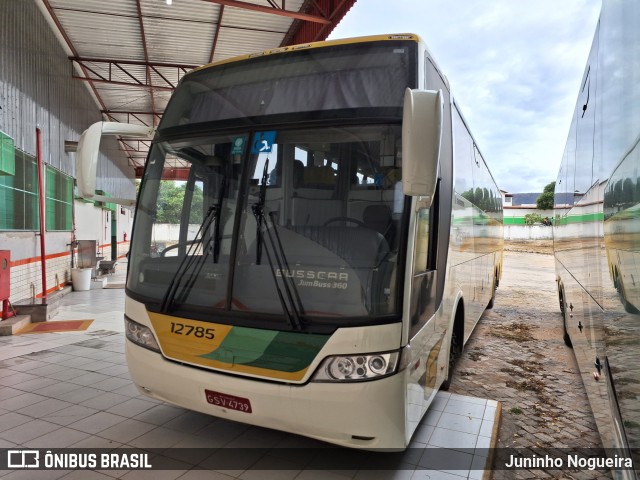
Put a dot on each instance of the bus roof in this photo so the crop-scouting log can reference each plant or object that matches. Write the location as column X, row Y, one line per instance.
column 306, row 46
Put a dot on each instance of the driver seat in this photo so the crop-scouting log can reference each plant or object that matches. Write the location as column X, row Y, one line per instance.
column 378, row 218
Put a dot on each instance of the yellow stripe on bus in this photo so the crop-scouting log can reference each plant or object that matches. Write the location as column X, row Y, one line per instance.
column 187, row 340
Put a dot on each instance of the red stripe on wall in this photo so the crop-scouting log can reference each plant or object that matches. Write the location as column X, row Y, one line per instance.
column 108, row 244
column 25, row 261
column 52, row 289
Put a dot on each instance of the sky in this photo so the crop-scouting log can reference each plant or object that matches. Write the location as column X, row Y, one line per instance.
column 514, row 68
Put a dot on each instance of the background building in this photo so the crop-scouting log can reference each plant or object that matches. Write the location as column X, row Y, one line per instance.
column 37, row 92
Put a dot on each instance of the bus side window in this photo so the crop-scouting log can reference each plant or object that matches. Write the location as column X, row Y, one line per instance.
column 422, row 241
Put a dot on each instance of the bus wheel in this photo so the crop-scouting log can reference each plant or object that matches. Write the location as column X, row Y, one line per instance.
column 565, row 332
column 454, row 353
column 493, row 292
column 565, row 336
column 561, row 297
column 628, row 306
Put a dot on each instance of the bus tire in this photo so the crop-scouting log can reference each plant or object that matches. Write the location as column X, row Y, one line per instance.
column 628, row 306
column 455, row 348
column 493, row 292
column 565, row 335
column 565, row 332
column 561, row 297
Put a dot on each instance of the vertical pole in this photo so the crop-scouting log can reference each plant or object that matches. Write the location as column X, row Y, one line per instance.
column 43, row 259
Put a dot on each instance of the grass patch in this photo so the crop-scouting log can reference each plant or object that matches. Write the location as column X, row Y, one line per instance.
column 530, row 366
column 627, row 381
column 529, row 384
column 476, row 355
column 515, row 411
column 626, row 395
column 631, row 424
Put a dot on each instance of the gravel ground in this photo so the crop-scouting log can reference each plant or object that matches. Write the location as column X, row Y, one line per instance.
column 517, row 356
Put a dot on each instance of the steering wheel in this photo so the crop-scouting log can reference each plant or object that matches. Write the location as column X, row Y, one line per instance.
column 345, row 219
column 163, row 253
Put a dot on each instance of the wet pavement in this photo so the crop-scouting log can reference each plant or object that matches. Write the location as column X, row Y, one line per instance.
column 517, row 356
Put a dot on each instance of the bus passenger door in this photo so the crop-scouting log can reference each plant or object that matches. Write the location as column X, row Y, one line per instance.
column 425, row 347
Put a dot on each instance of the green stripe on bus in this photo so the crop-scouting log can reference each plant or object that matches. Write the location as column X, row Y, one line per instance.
column 291, row 352
column 268, row 349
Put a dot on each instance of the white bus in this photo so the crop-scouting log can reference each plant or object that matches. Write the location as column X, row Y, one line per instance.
column 335, row 240
column 597, row 231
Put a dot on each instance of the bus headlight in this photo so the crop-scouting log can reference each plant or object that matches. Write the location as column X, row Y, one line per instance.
column 354, row 368
column 140, row 335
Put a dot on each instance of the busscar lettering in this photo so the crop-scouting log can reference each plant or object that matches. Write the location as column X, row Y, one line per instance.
column 313, row 274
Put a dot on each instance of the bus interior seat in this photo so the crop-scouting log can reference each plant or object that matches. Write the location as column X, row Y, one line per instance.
column 322, row 176
column 298, row 173
column 378, row 217
column 364, row 250
column 313, row 211
column 359, row 247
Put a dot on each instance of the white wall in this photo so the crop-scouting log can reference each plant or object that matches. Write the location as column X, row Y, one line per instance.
column 528, row 232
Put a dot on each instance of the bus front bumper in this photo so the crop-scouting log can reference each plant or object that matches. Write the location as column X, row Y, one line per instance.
column 368, row 415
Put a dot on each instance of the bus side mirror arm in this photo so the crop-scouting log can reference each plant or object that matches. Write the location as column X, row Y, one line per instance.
column 421, row 139
column 87, row 156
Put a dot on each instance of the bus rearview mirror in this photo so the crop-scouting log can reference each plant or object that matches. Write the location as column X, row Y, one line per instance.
column 87, row 156
column 421, row 138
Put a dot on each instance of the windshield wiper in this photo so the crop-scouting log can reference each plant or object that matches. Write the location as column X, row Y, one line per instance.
column 293, row 315
column 216, row 228
column 189, row 259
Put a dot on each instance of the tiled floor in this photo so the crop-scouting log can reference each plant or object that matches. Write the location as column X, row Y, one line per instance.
column 72, row 389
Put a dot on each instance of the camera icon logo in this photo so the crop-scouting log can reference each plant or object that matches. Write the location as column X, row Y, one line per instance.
column 23, row 459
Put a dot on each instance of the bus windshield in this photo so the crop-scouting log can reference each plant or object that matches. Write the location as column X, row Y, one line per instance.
column 299, row 225
column 310, row 83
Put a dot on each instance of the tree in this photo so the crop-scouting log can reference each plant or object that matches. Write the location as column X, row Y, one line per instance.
column 545, row 200
column 170, row 200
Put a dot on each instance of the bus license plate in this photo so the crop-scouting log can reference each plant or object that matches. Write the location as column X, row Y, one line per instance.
column 228, row 401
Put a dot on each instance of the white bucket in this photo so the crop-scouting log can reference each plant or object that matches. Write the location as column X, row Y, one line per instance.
column 81, row 278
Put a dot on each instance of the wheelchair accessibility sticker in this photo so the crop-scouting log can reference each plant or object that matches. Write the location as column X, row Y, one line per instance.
column 263, row 141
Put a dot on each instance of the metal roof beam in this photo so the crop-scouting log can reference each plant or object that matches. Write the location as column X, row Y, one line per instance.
column 72, row 48
column 122, row 84
column 147, row 68
column 135, row 146
column 271, row 10
column 129, row 112
column 215, row 37
column 182, row 66
column 85, row 63
column 304, row 32
column 121, row 69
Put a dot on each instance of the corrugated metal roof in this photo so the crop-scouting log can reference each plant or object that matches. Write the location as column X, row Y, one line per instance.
column 132, row 53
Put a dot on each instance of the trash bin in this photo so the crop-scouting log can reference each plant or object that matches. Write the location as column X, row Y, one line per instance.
column 81, row 278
